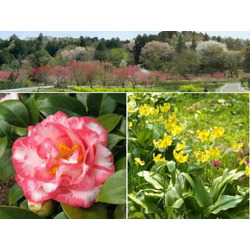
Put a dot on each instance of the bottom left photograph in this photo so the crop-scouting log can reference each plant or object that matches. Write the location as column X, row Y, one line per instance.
column 62, row 156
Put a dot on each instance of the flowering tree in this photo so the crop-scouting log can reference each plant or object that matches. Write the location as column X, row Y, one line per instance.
column 189, row 76
column 4, row 75
column 60, row 75
column 218, row 75
column 41, row 74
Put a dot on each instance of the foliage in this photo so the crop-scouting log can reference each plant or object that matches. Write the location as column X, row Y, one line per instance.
column 184, row 162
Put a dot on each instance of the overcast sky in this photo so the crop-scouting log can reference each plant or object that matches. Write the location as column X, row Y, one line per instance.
column 123, row 35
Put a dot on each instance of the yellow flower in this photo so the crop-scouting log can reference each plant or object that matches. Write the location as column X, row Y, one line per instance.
column 176, row 129
column 131, row 106
column 214, row 152
column 218, row 132
column 237, row 146
column 138, row 161
column 160, row 118
column 180, row 146
column 202, row 156
column 165, row 107
column 168, row 126
column 130, row 124
column 172, row 118
column 159, row 158
column 156, row 144
column 180, row 157
column 247, row 171
column 144, row 110
column 163, row 143
column 154, row 111
column 203, row 135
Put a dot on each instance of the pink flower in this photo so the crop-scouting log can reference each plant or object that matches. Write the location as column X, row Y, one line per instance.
column 11, row 96
column 65, row 159
column 216, row 163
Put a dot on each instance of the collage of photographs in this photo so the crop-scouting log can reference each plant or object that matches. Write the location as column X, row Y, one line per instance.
column 124, row 125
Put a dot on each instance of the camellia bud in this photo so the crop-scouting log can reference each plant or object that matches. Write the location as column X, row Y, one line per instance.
column 43, row 209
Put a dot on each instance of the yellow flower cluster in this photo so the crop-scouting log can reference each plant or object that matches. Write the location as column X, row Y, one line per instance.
column 237, row 146
column 202, row 156
column 172, row 126
column 154, row 111
column 203, row 134
column 180, row 146
column 163, row 143
column 180, row 157
column 144, row 110
column 159, row 158
column 218, row 132
column 138, row 161
column 165, row 107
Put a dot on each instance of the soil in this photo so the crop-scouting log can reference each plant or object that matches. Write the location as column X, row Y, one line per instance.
column 4, row 190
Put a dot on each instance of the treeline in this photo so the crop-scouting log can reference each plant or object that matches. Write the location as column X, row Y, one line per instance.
column 170, row 52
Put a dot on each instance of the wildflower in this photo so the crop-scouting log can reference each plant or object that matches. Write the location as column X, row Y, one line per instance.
column 144, row 110
column 163, row 143
column 172, row 118
column 130, row 124
column 131, row 106
column 165, row 107
column 216, row 163
column 203, row 135
column 247, row 171
column 159, row 158
column 180, row 157
column 201, row 156
column 180, row 146
column 156, row 143
column 217, row 132
column 154, row 111
column 237, row 146
column 138, row 161
column 214, row 152
column 176, row 129
column 168, row 126
column 160, row 118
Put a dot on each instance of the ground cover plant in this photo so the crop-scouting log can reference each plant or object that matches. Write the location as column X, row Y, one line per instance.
column 188, row 156
column 62, row 156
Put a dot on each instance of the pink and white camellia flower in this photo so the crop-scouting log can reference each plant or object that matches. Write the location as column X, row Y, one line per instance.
column 11, row 96
column 65, row 159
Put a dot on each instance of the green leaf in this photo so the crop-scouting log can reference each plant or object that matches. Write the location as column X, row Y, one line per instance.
column 120, row 164
column 120, row 98
column 144, row 135
column 189, row 179
column 94, row 104
column 96, row 211
column 109, row 121
column 194, row 169
column 7, row 212
column 114, row 189
column 68, row 105
column 3, row 145
column 15, row 194
column 83, row 99
column 120, row 212
column 20, row 131
column 15, row 113
column 171, row 196
column 224, row 203
column 172, row 170
column 154, row 179
column 61, row 215
column 201, row 193
column 114, row 139
column 108, row 106
column 33, row 111
column 6, row 167
column 136, row 202
column 5, row 128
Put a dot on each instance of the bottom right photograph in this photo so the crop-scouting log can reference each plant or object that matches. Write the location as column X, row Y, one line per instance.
column 188, row 156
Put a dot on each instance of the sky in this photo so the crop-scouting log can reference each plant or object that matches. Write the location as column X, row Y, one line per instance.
column 123, row 35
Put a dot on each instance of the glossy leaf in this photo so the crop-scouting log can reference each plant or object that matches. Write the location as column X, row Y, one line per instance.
column 15, row 113
column 6, row 167
column 154, row 179
column 5, row 129
column 120, row 212
column 120, row 98
column 120, row 164
column 61, row 215
column 114, row 189
column 114, row 139
column 68, row 105
column 3, row 145
column 7, row 212
column 96, row 211
column 109, row 121
column 15, row 194
column 33, row 111
column 94, row 104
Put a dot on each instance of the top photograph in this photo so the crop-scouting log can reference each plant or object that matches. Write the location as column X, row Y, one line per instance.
column 125, row 61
